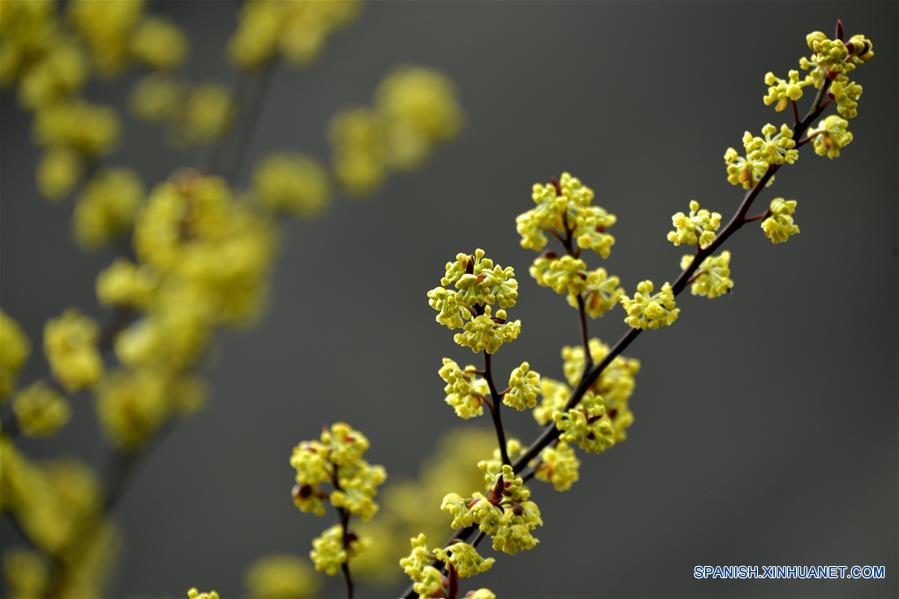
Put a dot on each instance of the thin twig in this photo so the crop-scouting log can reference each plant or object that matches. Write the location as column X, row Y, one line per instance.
column 495, row 410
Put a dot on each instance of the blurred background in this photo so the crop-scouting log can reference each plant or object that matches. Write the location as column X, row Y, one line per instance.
column 766, row 421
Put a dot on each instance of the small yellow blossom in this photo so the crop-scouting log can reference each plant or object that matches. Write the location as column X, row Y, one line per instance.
column 56, row 76
column 158, row 43
column 70, row 344
column 846, row 94
column 783, row 91
column 328, row 551
column 90, row 130
column 58, row 172
column 524, row 386
column 26, row 572
column 293, row 184
column 482, row 593
column 107, row 207
column 360, row 151
column 427, row 580
column 565, row 275
column 195, row 594
column 780, row 226
column 697, row 228
column 601, row 293
column 712, row 278
column 281, row 577
column 464, row 559
column 124, row 283
column 208, row 111
column 587, row 425
column 513, row 534
column 107, row 28
column 465, row 392
column 555, row 396
column 487, row 332
column 40, row 411
column 156, row 98
column 830, row 136
column 648, row 310
column 14, row 349
column 132, row 406
column 559, row 466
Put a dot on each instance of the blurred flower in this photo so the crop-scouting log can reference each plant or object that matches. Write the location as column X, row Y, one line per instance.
column 293, row 184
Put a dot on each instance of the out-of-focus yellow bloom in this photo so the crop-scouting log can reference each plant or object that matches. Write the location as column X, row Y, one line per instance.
column 156, row 97
column 195, row 594
column 70, row 344
column 208, row 113
column 27, row 29
column 712, row 279
column 297, row 30
column 415, row 110
column 58, row 172
column 158, row 43
column 359, row 150
column 124, row 283
column 40, row 410
column 559, row 466
column 292, row 183
column 830, row 136
column 210, row 249
column 14, row 350
column 26, row 574
column 780, row 226
column 90, row 130
column 281, row 577
column 131, row 406
column 107, row 207
column 648, row 310
column 420, row 110
column 59, row 74
column 696, row 228
column 107, row 28
column 555, row 396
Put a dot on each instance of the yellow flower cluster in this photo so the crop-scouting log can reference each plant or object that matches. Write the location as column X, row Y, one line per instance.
column 336, row 460
column 615, row 384
column 774, row 147
column 158, row 44
column 292, row 184
column 296, row 31
column 558, row 466
column 464, row 559
column 465, row 390
column 712, row 278
column 281, row 577
column 780, row 226
column 482, row 593
column 524, row 387
column 505, row 513
column 783, row 91
column 330, row 550
column 563, row 209
column 40, row 411
column 70, row 344
column 126, row 284
column 830, row 136
column 696, row 228
column 415, row 110
column 477, row 283
column 834, row 60
column 14, row 350
column 586, row 424
column 648, row 310
column 107, row 207
column 193, row 114
column 195, row 594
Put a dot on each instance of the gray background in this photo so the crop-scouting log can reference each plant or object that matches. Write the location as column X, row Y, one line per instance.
column 766, row 426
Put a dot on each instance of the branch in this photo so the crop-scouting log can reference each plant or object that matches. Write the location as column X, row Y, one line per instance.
column 495, row 408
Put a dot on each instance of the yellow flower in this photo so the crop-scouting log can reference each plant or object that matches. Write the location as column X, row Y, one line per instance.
column 712, row 279
column 328, row 551
column 156, row 97
column 56, row 76
column 780, row 226
column 107, row 207
column 427, row 580
column 132, row 406
column 565, row 275
column 830, row 136
column 26, row 573
column 601, row 293
column 587, row 424
column 559, row 466
column 464, row 559
column 107, row 27
column 465, row 392
column 555, row 396
column 14, row 350
column 648, row 310
column 58, row 172
column 292, row 183
column 158, row 43
column 281, row 577
column 359, row 154
column 208, row 111
column 782, row 91
column 482, row 593
column 697, row 228
column 124, row 283
column 524, row 386
column 90, row 130
column 70, row 343
column 40, row 411
column 195, row 594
